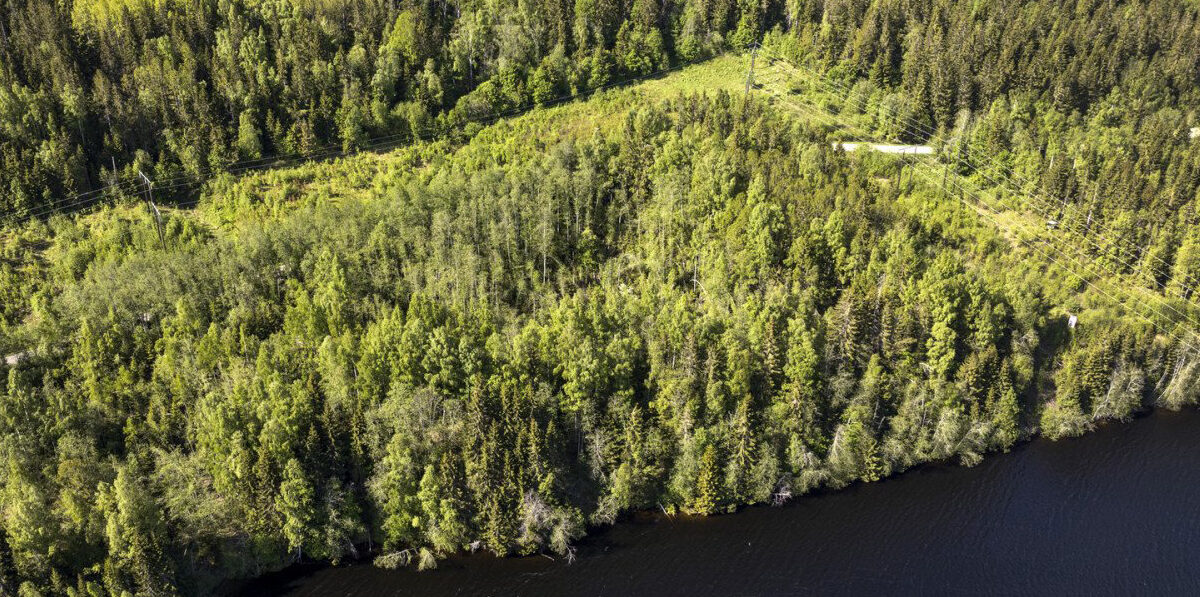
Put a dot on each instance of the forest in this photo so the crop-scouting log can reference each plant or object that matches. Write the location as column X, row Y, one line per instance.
column 675, row 296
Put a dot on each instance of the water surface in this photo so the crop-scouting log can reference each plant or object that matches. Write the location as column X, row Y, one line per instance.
column 1115, row 511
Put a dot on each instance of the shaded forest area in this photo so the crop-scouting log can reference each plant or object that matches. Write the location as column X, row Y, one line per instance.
column 690, row 304
column 188, row 86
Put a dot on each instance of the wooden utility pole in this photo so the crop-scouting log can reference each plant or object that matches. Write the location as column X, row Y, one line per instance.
column 945, row 177
column 1091, row 208
column 750, row 75
column 149, row 193
column 946, row 168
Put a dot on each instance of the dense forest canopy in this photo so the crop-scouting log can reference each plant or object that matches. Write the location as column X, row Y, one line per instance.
column 687, row 301
column 93, row 91
column 188, row 85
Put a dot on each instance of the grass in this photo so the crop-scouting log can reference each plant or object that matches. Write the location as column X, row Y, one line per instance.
column 353, row 177
column 1076, row 279
column 228, row 200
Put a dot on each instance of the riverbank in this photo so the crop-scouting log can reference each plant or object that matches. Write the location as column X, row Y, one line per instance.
column 1114, row 510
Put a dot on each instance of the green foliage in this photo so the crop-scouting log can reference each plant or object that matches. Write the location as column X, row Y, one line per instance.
column 297, row 508
column 173, row 87
column 708, row 488
column 647, row 300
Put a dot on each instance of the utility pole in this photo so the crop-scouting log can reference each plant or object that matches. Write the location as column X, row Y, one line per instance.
column 1050, row 206
column 945, row 176
column 158, row 225
column 750, row 75
column 1091, row 208
column 950, row 145
column 1062, row 211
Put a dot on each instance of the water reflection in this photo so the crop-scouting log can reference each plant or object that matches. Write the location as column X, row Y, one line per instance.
column 1115, row 511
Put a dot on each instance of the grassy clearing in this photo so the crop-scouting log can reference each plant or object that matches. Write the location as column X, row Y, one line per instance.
column 1077, row 269
column 229, row 199
column 357, row 177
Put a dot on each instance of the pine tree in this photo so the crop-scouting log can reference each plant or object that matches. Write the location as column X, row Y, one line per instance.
column 137, row 538
column 1007, row 411
column 248, row 143
column 296, row 505
column 708, row 485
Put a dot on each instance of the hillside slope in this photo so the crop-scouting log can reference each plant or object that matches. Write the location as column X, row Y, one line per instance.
column 668, row 296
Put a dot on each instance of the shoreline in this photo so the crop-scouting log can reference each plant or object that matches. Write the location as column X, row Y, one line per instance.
column 596, row 534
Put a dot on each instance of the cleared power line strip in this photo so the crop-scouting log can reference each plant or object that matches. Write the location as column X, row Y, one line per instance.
column 885, row 148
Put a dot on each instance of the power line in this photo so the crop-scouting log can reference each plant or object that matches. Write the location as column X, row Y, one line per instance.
column 158, row 225
column 1005, row 173
column 90, row 198
column 1168, row 305
column 1091, row 283
column 753, row 47
column 908, row 129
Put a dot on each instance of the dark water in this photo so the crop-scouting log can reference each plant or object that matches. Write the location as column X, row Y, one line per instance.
column 1116, row 511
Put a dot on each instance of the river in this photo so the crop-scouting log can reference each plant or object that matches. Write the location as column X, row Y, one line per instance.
column 1115, row 511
